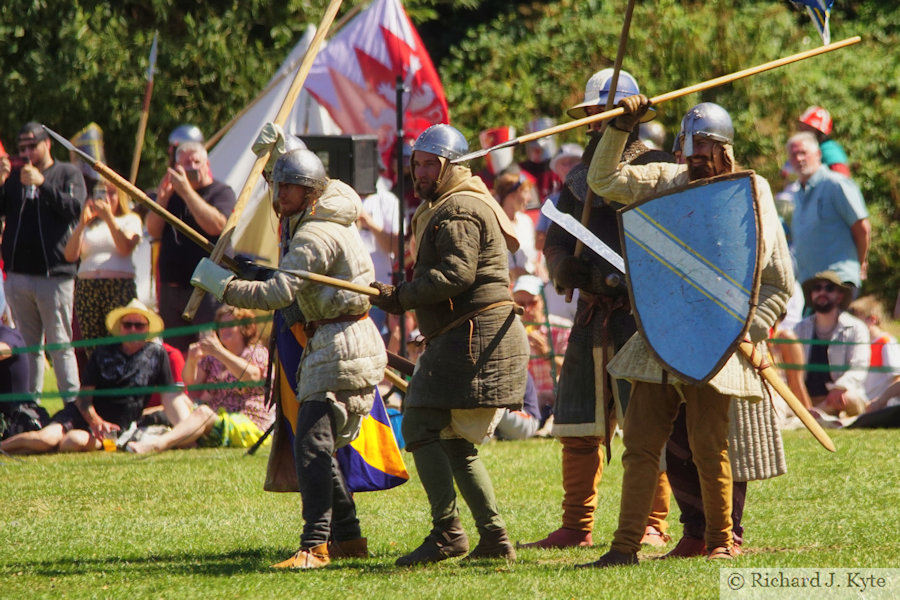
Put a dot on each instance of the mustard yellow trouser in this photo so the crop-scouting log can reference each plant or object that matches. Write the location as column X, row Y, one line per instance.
column 648, row 424
column 582, row 468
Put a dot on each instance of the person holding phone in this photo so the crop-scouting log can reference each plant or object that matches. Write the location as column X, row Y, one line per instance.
column 41, row 200
column 103, row 244
column 189, row 192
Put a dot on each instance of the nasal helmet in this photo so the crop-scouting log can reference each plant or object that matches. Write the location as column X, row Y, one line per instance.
column 818, row 118
column 185, row 133
column 707, row 120
column 596, row 92
column 300, row 167
column 442, row 140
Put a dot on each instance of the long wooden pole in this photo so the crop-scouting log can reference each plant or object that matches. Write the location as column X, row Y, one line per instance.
column 697, row 87
column 610, row 101
column 257, row 169
column 145, row 113
column 785, row 392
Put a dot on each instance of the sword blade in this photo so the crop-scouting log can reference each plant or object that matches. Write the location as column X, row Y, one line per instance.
column 583, row 234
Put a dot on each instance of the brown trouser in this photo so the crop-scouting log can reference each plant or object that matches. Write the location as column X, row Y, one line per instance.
column 648, row 424
column 582, row 467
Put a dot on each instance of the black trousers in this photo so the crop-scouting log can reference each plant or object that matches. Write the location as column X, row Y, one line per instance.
column 685, row 484
column 328, row 508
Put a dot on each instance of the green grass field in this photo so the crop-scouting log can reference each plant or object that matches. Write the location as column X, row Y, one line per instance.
column 196, row 524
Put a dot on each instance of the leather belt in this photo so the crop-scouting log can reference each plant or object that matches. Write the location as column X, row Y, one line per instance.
column 311, row 327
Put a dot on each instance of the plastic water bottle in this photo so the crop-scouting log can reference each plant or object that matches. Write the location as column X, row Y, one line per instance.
column 31, row 192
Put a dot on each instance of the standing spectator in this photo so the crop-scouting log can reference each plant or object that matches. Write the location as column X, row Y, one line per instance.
column 568, row 156
column 512, row 191
column 189, row 192
column 883, row 379
column 656, row 395
column 830, row 225
column 42, row 203
column 81, row 425
column 103, row 245
column 835, row 346
column 379, row 226
column 229, row 355
column 817, row 121
column 474, row 365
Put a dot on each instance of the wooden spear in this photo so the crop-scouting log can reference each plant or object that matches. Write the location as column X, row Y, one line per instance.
column 257, row 169
column 610, row 101
column 766, row 370
column 145, row 113
column 697, row 87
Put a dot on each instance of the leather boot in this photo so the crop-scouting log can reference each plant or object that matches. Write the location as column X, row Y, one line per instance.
column 445, row 541
column 358, row 548
column 306, row 558
column 611, row 559
column 493, row 544
column 687, row 547
column 562, row 538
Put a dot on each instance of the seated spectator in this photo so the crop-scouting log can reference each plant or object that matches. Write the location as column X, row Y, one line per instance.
column 835, row 346
column 103, row 244
column 231, row 355
column 548, row 337
column 883, row 380
column 16, row 416
column 133, row 364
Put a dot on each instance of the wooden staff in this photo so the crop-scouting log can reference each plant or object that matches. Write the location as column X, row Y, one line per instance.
column 766, row 370
column 697, row 87
column 610, row 100
column 280, row 118
column 145, row 113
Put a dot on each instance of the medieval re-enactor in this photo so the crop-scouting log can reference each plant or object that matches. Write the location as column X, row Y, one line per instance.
column 476, row 355
column 603, row 323
column 344, row 357
column 656, row 394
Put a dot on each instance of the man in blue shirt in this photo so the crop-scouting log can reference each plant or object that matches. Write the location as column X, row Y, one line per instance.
column 830, row 225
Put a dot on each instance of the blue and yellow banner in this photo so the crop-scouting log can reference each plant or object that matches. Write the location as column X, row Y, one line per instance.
column 372, row 461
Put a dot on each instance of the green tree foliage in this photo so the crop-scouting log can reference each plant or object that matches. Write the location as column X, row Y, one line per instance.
column 535, row 59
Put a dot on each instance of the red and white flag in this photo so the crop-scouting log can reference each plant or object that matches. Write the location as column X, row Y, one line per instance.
column 354, row 77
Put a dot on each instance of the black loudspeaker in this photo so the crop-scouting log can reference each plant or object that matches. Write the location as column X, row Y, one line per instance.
column 351, row 158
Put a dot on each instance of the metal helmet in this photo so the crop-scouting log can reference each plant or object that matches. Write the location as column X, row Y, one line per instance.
column 185, row 133
column 653, row 134
column 547, row 144
column 442, row 140
column 596, row 91
column 300, row 167
column 707, row 120
column 818, row 118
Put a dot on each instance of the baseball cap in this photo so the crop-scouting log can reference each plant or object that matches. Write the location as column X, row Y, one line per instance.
column 33, row 130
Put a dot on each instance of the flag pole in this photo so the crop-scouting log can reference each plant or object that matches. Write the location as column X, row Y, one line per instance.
column 401, row 233
column 697, row 87
column 145, row 112
column 280, row 118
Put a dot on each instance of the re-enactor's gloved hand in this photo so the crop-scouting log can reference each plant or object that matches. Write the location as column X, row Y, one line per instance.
column 635, row 108
column 270, row 139
column 387, row 299
column 212, row 278
column 251, row 271
column 572, row 272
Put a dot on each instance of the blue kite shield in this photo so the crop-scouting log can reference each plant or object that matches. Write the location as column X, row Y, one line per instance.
column 693, row 271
